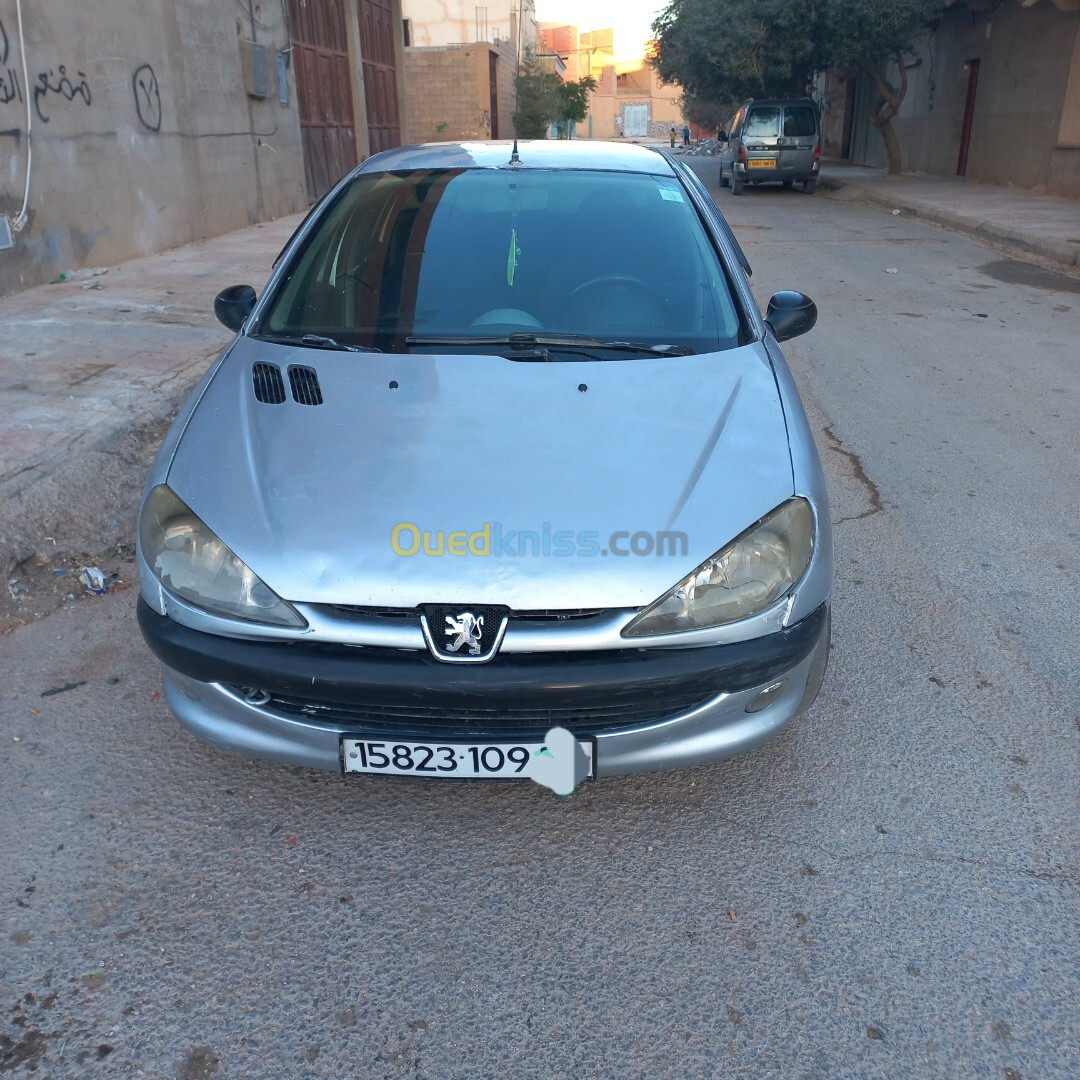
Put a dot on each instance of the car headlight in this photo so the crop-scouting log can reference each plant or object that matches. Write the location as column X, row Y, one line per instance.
column 190, row 561
column 742, row 579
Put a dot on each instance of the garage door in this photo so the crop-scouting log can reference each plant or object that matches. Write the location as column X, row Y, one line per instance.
column 320, row 51
column 635, row 119
column 378, row 30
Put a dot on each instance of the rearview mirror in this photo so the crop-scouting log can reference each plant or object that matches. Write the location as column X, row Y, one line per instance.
column 791, row 314
column 233, row 305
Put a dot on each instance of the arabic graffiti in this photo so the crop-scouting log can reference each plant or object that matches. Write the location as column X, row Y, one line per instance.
column 147, row 97
column 63, row 86
column 10, row 87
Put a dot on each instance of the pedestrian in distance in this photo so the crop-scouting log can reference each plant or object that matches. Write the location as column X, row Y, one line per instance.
column 686, row 135
column 673, row 138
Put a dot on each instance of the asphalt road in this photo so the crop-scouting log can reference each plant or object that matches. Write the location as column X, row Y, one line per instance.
column 889, row 889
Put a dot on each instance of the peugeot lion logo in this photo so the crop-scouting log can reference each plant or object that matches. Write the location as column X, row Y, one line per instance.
column 465, row 629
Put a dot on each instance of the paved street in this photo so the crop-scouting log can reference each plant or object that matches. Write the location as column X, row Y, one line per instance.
column 889, row 889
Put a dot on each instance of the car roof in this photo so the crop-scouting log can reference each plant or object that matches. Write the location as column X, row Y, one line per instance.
column 538, row 154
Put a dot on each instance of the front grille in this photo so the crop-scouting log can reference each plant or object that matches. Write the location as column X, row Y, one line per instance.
column 539, row 615
column 556, row 614
column 449, row 723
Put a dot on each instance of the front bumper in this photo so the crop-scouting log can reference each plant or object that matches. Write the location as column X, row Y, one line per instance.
column 646, row 708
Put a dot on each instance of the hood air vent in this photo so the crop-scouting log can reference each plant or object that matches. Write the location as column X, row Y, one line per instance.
column 305, row 385
column 269, row 387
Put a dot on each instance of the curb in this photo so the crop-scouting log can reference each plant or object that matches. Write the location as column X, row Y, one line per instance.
column 1056, row 251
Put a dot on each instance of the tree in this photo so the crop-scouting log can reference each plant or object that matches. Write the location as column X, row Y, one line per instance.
column 740, row 49
column 869, row 34
column 771, row 48
column 707, row 113
column 536, row 105
column 572, row 104
column 544, row 99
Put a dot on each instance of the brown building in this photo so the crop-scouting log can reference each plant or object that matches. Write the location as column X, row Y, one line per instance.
column 461, row 62
column 461, row 91
column 993, row 94
column 629, row 100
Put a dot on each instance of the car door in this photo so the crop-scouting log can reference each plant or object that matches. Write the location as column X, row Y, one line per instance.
column 731, row 142
column 761, row 138
column 800, row 136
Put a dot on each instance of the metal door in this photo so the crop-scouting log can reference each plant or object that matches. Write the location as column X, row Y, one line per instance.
column 377, row 39
column 798, row 139
column 635, row 120
column 320, row 52
column 969, row 116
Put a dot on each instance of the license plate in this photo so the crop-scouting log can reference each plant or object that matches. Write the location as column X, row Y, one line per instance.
column 506, row 761
column 761, row 163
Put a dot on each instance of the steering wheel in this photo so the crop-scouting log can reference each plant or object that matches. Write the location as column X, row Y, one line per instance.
column 612, row 281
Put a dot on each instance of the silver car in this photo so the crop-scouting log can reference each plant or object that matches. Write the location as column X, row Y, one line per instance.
column 503, row 467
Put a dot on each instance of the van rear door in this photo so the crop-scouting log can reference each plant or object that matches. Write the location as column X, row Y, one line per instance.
column 800, row 136
column 761, row 140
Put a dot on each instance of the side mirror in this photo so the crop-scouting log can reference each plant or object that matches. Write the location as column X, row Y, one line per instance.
column 721, row 136
column 791, row 314
column 233, row 305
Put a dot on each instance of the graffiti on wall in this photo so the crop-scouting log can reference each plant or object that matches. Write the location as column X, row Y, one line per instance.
column 147, row 97
column 10, row 88
column 52, row 84
column 62, row 86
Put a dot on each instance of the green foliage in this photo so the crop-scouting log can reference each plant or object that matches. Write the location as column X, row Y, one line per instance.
column 544, row 99
column 572, row 104
column 725, row 51
column 536, row 99
column 740, row 49
column 875, row 30
column 706, row 113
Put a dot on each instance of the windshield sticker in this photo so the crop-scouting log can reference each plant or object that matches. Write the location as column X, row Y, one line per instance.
column 512, row 258
column 671, row 194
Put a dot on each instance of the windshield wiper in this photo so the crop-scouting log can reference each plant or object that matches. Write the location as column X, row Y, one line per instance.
column 527, row 342
column 315, row 341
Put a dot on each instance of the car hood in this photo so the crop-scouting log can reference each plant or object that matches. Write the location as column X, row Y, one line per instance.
column 309, row 496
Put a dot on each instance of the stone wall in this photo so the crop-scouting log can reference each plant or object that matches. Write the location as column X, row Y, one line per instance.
column 144, row 135
column 449, row 92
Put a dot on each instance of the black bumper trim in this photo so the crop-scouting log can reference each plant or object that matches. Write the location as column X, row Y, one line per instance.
column 364, row 675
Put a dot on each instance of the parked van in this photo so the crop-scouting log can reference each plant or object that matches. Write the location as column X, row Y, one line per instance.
column 770, row 140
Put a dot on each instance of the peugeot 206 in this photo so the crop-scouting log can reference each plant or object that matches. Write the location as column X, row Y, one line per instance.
column 503, row 470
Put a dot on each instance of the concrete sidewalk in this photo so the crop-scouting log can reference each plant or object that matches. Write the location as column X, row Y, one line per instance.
column 1041, row 224
column 87, row 372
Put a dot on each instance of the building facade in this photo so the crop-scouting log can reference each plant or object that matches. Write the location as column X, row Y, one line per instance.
column 993, row 95
column 134, row 126
column 463, row 61
column 451, row 22
column 629, row 100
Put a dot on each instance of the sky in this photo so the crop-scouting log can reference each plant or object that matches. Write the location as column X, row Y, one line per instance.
column 631, row 20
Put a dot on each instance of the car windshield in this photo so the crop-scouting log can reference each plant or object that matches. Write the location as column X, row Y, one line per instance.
column 407, row 260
